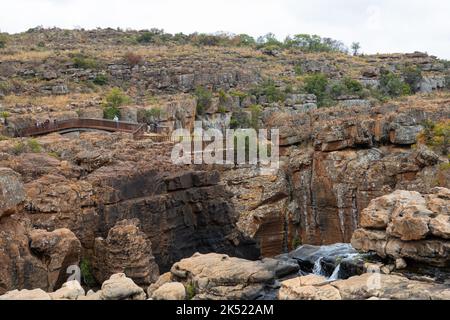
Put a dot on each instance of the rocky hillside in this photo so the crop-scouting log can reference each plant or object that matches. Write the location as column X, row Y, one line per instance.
column 359, row 136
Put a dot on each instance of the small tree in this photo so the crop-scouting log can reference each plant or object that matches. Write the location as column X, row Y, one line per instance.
column 412, row 75
column 392, row 85
column 204, row 98
column 317, row 84
column 436, row 136
column 356, row 46
column 133, row 59
column 5, row 115
column 113, row 100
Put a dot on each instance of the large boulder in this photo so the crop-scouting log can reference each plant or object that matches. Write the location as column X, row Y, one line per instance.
column 310, row 287
column 126, row 250
column 363, row 287
column 12, row 191
column 25, row 294
column 170, row 291
column 408, row 225
column 217, row 276
column 59, row 249
column 70, row 290
column 119, row 287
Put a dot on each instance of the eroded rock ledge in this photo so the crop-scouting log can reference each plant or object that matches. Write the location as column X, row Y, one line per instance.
column 406, row 224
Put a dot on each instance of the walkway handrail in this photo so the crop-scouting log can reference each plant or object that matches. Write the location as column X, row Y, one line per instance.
column 100, row 124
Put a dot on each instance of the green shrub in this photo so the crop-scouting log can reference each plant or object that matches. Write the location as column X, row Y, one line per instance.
column 412, row 76
column 152, row 36
column 338, row 89
column 54, row 154
column 317, row 84
column 256, row 113
column 86, row 273
column 204, row 98
column 269, row 41
column 436, row 136
column 239, row 94
column 240, row 119
column 393, row 86
column 111, row 112
column 153, row 113
column 244, row 40
column 113, row 100
column 100, row 79
column 34, row 146
column 19, row 148
column 190, row 291
column 83, row 62
column 314, row 43
column 5, row 115
column 296, row 242
column 269, row 90
column 298, row 69
column 353, row 86
column 347, row 86
column 221, row 109
column 447, row 82
column 3, row 40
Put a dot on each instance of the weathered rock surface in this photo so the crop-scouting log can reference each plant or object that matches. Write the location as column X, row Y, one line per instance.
column 125, row 250
column 216, row 276
column 12, row 191
column 25, row 294
column 170, row 291
column 59, row 249
column 366, row 286
column 407, row 225
column 99, row 180
column 119, row 287
column 261, row 201
column 71, row 290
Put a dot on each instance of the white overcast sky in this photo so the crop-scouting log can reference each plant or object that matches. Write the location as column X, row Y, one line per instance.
column 379, row 25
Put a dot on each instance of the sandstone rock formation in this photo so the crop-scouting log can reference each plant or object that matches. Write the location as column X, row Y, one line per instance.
column 170, row 291
column 59, row 249
column 11, row 191
column 366, row 286
column 125, row 250
column 217, row 276
column 407, row 225
column 97, row 181
column 25, row 294
column 119, row 287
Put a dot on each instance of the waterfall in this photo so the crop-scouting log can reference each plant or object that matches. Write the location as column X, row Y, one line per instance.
column 335, row 275
column 317, row 269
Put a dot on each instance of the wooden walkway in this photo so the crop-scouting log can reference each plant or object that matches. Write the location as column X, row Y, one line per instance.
column 136, row 129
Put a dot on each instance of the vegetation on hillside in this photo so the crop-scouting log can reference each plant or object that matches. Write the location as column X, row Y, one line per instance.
column 113, row 100
column 436, row 136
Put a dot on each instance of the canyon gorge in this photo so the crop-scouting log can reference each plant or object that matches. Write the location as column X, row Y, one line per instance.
column 362, row 193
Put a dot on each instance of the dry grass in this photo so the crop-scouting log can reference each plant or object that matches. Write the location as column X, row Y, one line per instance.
column 58, row 102
column 26, row 55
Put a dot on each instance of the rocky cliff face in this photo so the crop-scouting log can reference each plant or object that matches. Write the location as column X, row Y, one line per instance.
column 333, row 163
column 89, row 189
column 408, row 225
